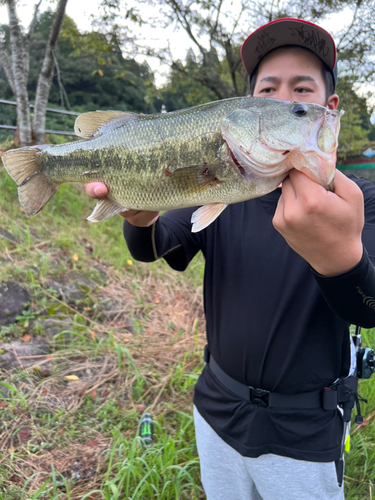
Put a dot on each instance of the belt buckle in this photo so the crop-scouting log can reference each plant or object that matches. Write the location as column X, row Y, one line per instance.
column 259, row 396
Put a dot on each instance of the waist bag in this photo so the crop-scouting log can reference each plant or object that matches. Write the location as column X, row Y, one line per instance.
column 342, row 391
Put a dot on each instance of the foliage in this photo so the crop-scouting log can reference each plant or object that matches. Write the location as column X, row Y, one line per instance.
column 93, row 75
column 8, row 116
column 15, row 58
column 182, row 91
column 355, row 124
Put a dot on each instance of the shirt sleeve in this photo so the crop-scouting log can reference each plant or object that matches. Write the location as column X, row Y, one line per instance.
column 351, row 295
column 169, row 238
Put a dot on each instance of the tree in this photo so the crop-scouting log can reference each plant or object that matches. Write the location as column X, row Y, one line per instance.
column 182, row 91
column 89, row 73
column 14, row 58
column 97, row 76
column 356, row 127
column 216, row 31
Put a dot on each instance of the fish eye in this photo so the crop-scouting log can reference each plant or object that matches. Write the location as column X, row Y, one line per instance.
column 300, row 109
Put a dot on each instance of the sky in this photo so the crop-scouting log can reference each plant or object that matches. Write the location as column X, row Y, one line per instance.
column 81, row 11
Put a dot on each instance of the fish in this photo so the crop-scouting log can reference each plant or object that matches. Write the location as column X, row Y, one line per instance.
column 211, row 155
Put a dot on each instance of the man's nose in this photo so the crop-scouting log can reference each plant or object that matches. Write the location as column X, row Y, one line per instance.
column 283, row 94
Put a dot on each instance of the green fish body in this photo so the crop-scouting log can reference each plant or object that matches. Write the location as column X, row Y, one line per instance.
column 212, row 155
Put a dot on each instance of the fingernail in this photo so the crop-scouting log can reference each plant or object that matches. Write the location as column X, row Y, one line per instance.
column 97, row 191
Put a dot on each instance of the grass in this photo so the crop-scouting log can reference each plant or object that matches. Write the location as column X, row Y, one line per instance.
column 74, row 439
column 132, row 343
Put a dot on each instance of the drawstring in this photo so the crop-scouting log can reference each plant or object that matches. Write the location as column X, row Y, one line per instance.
column 357, row 398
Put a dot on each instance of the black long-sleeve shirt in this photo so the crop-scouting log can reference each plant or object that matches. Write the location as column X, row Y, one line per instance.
column 272, row 322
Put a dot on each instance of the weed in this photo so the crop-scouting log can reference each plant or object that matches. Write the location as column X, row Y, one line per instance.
column 25, row 318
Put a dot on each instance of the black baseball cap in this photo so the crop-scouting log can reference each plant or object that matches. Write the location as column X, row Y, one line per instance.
column 289, row 31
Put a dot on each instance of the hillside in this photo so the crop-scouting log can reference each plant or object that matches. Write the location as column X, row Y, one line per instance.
column 97, row 341
column 100, row 340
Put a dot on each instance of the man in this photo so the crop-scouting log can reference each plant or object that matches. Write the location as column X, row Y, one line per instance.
column 285, row 276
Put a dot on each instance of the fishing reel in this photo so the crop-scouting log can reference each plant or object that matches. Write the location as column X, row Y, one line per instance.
column 365, row 357
column 365, row 362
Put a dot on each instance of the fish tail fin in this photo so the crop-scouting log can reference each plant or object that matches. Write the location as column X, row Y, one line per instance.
column 34, row 189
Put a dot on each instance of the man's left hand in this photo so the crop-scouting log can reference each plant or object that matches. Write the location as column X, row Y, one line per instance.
column 324, row 228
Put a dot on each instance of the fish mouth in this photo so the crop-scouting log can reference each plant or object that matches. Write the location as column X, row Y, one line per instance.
column 318, row 158
column 248, row 165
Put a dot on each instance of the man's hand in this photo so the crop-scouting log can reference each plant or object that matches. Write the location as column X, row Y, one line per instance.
column 322, row 227
column 140, row 218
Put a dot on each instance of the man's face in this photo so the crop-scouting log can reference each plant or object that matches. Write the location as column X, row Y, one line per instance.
column 293, row 75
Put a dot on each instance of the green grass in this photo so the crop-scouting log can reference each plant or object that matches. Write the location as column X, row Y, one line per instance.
column 63, row 420
column 83, row 437
column 167, row 470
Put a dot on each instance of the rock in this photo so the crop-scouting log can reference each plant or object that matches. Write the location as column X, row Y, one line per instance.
column 113, row 312
column 15, row 351
column 81, row 280
column 74, row 290
column 12, row 302
column 34, row 233
column 102, row 273
column 53, row 326
column 68, row 291
column 113, row 309
column 8, row 236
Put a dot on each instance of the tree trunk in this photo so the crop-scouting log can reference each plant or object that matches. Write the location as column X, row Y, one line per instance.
column 46, row 75
column 7, row 65
column 20, row 68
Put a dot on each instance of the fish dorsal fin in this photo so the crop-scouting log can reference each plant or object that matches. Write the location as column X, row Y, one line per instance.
column 203, row 217
column 95, row 122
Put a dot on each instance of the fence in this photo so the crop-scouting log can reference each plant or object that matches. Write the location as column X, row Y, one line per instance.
column 51, row 110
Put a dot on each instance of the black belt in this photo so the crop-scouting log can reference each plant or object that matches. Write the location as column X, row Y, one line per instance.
column 261, row 397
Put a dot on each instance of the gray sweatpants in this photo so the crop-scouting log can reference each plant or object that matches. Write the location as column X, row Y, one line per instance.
column 227, row 475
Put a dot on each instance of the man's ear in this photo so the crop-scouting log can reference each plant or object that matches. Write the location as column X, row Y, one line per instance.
column 332, row 102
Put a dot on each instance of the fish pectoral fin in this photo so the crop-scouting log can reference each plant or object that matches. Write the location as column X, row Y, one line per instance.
column 204, row 174
column 203, row 217
column 104, row 209
column 95, row 123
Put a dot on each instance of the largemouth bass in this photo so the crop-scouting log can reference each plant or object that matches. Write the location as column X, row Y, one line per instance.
column 214, row 154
